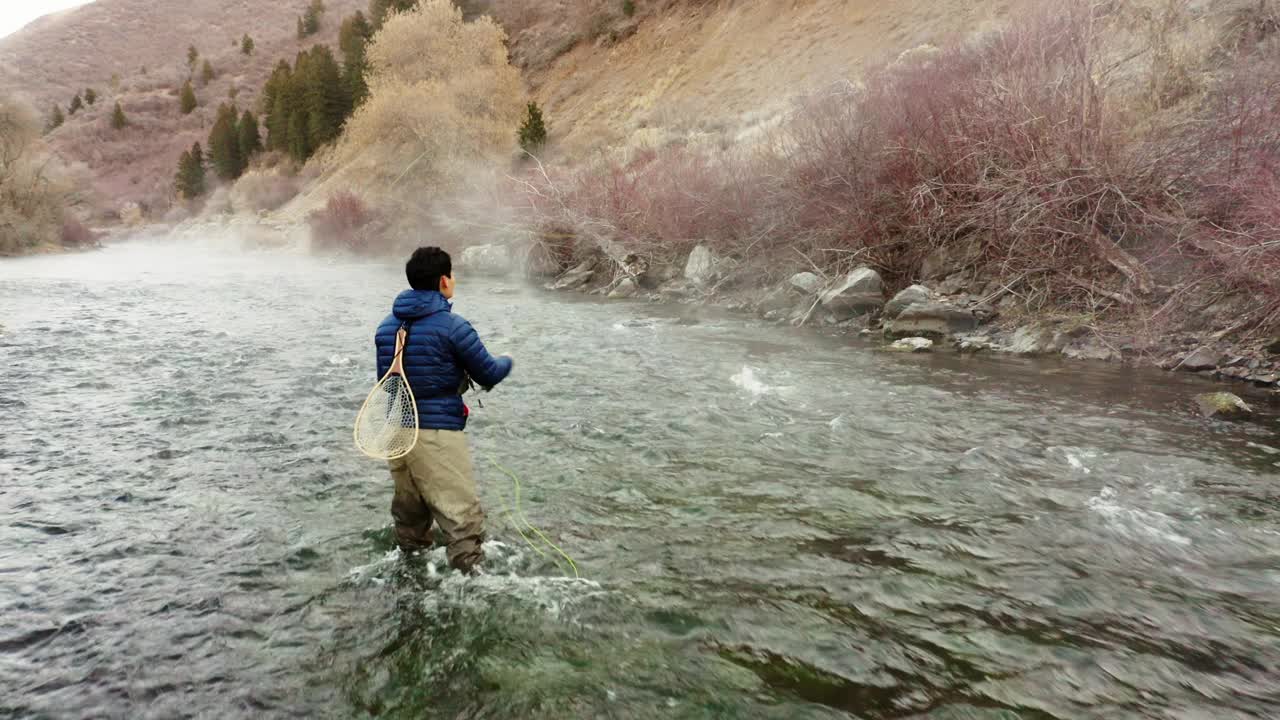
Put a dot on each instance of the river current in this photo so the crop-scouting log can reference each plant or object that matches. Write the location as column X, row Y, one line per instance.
column 768, row 523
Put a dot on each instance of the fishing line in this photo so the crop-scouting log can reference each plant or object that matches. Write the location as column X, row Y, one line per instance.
column 519, row 514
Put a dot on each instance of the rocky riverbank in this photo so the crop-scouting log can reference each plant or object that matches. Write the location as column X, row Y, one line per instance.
column 947, row 311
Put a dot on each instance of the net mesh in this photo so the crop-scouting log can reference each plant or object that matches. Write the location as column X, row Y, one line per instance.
column 387, row 425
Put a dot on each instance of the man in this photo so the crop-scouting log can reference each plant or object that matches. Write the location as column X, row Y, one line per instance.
column 442, row 354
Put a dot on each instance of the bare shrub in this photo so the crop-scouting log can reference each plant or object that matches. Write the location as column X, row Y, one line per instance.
column 31, row 200
column 347, row 223
column 74, row 234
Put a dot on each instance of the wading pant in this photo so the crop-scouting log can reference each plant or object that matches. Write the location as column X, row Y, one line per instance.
column 434, row 482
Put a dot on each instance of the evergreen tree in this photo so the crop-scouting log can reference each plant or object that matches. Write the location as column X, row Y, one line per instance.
column 206, row 73
column 224, row 145
column 76, row 105
column 309, row 23
column 192, row 56
column 533, row 133
column 55, row 119
column 90, row 96
column 299, row 145
column 250, row 139
column 380, row 9
column 246, row 45
column 118, row 120
column 275, row 106
column 190, row 180
column 353, row 38
column 187, row 99
column 325, row 97
column 628, row 7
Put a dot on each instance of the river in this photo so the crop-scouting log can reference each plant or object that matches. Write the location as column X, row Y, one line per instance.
column 768, row 523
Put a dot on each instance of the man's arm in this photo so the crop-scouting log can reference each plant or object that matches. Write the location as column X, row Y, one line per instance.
column 484, row 368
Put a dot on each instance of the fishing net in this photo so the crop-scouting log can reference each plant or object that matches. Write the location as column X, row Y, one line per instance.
column 387, row 425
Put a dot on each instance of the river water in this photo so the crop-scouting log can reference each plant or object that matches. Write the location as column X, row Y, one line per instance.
column 768, row 523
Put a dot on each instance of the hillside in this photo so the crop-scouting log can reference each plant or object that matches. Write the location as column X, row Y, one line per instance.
column 135, row 52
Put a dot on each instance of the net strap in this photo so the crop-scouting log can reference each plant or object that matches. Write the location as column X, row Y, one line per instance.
column 397, row 364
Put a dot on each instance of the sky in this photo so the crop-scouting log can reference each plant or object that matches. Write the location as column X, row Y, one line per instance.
column 16, row 13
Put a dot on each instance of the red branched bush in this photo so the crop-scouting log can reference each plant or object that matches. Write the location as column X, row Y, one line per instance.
column 74, row 234
column 347, row 223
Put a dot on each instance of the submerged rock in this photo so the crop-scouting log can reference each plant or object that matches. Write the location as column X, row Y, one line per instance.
column 1223, row 405
column 806, row 282
column 931, row 319
column 861, row 292
column 912, row 344
column 701, row 267
column 906, row 298
column 1201, row 359
column 487, row 259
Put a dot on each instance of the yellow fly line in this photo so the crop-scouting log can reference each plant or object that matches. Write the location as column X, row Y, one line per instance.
column 519, row 515
column 387, row 424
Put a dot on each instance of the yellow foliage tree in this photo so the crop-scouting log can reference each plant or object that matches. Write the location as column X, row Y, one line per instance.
column 443, row 99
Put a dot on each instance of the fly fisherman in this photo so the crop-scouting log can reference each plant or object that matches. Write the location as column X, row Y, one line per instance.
column 442, row 354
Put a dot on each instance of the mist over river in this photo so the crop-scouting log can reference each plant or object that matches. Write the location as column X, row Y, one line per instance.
column 769, row 523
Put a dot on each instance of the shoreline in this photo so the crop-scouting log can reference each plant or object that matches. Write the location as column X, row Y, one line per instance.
column 951, row 313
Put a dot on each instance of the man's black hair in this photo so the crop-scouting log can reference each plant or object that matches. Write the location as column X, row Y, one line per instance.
column 426, row 266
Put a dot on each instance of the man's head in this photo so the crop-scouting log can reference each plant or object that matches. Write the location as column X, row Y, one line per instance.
column 430, row 268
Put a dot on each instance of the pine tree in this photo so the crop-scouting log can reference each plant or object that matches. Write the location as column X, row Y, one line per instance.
column 187, row 99
column 224, row 145
column 56, row 119
column 275, row 106
column 533, row 133
column 192, row 56
column 118, row 120
column 190, row 180
column 90, row 96
column 246, row 45
column 380, row 9
column 302, row 29
column 299, row 145
column 353, row 38
column 206, row 73
column 325, row 96
column 76, row 105
column 628, row 7
column 250, row 139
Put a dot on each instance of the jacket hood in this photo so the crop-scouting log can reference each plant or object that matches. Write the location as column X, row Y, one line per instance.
column 417, row 304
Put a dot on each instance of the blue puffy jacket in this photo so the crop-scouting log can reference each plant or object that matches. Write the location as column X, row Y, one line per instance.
column 441, row 347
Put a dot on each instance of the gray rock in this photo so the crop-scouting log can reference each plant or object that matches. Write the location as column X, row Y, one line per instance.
column 1090, row 348
column 900, row 302
column 931, row 319
column 676, row 289
column 575, row 278
column 625, row 289
column 953, row 285
column 487, row 259
column 1265, row 378
column 776, row 300
column 861, row 292
column 1035, row 340
column 1223, row 405
column 912, row 344
column 806, row 282
column 701, row 267
column 1201, row 359
column 973, row 343
column 1273, row 346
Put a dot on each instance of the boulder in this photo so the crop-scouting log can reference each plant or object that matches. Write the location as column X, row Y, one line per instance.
column 131, row 213
column 1035, row 340
column 861, row 292
column 701, row 267
column 900, row 302
column 1203, row 358
column 1223, row 405
column 912, row 344
column 487, row 259
column 625, row 289
column 575, row 278
column 806, row 282
column 676, row 289
column 776, row 301
column 1090, row 348
column 931, row 319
